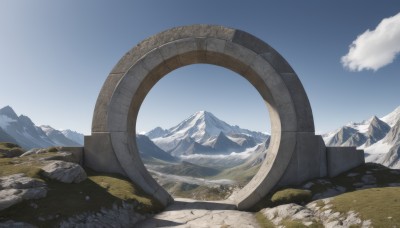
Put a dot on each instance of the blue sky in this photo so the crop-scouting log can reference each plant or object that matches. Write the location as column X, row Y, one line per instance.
column 55, row 56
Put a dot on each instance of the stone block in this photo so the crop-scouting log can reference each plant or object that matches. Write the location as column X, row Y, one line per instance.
column 99, row 122
column 251, row 42
column 303, row 112
column 99, row 154
column 76, row 152
column 342, row 159
column 307, row 161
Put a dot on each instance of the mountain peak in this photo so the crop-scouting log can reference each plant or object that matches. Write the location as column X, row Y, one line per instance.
column 9, row 112
column 203, row 114
column 392, row 118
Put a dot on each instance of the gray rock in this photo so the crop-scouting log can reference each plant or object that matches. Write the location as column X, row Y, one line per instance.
column 65, row 172
column 368, row 179
column 117, row 216
column 10, row 197
column 19, row 181
column 61, row 156
column 288, row 211
column 18, row 187
column 13, row 224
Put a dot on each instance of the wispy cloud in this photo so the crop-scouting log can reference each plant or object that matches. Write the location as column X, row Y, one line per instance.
column 375, row 49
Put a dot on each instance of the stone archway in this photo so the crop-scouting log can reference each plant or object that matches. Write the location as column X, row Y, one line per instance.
column 295, row 153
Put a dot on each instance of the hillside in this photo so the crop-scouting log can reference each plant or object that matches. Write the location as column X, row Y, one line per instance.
column 21, row 130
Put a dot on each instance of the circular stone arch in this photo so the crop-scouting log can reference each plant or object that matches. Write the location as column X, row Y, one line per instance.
column 140, row 69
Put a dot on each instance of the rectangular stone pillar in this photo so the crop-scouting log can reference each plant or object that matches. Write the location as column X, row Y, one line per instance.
column 97, row 154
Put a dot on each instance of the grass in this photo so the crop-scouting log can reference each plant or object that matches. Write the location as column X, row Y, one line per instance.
column 7, row 145
column 199, row 192
column 383, row 176
column 66, row 200
column 298, row 224
column 188, row 169
column 263, row 221
column 242, row 175
column 291, row 195
column 10, row 150
column 380, row 205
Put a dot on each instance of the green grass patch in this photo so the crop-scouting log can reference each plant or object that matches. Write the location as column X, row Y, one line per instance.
column 8, row 150
column 7, row 145
column 291, row 195
column 198, row 192
column 242, row 175
column 381, row 205
column 52, row 149
column 66, row 200
column 188, row 169
column 263, row 221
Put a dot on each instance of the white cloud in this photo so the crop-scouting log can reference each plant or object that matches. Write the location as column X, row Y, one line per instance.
column 375, row 49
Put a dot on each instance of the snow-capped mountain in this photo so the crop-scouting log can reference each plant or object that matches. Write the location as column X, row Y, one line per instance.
column 378, row 137
column 156, row 133
column 58, row 137
column 21, row 130
column 74, row 136
column 203, row 133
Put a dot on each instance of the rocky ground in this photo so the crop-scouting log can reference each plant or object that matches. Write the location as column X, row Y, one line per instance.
column 192, row 213
column 49, row 188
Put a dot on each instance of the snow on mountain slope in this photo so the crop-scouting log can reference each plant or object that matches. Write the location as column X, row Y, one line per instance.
column 203, row 128
column 58, row 137
column 156, row 133
column 378, row 137
column 25, row 133
column 202, row 125
column 392, row 118
column 74, row 136
column 222, row 160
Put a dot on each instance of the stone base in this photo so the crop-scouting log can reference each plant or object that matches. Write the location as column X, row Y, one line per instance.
column 100, row 156
column 311, row 159
column 342, row 159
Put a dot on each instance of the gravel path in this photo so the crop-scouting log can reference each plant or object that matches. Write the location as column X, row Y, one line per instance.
column 192, row 213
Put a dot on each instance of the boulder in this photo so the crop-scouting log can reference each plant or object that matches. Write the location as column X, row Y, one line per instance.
column 18, row 187
column 34, row 151
column 19, row 181
column 11, row 223
column 66, row 172
column 62, row 156
column 11, row 153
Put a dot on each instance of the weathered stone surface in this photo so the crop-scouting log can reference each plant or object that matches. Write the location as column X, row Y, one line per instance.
column 117, row 216
column 66, row 172
column 311, row 213
column 61, row 156
column 13, row 224
column 192, row 213
column 341, row 159
column 19, row 181
column 11, row 153
column 18, row 187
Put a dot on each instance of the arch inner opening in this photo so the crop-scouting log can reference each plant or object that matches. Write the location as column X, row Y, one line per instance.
column 203, row 132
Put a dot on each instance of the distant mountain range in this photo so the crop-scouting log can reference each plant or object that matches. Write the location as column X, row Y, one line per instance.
column 378, row 137
column 200, row 152
column 203, row 133
column 22, row 131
